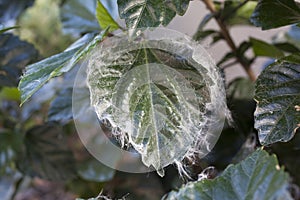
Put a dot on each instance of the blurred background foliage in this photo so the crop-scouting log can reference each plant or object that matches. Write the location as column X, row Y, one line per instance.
column 41, row 26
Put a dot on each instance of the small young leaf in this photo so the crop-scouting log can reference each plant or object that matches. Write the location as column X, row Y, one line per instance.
column 150, row 13
column 104, row 18
column 261, row 48
column 256, row 177
column 38, row 74
column 270, row 14
column 277, row 93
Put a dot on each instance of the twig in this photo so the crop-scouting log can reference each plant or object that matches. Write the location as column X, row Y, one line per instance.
column 224, row 31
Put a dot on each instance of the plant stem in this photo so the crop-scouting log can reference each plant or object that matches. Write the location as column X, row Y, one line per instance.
column 224, row 31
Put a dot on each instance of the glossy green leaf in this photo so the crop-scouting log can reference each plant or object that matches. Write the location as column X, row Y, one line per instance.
column 261, row 48
column 277, row 93
column 105, row 20
column 141, row 88
column 38, row 74
column 150, row 13
column 79, row 16
column 14, row 56
column 46, row 154
column 257, row 177
column 93, row 170
column 270, row 14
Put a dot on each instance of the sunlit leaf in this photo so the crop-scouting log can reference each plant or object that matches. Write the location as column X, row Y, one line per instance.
column 104, row 18
column 257, row 177
column 277, row 93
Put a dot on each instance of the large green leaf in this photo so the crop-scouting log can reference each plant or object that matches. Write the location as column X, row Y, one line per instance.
column 79, row 16
column 155, row 96
column 105, row 20
column 257, row 177
column 277, row 94
column 237, row 12
column 150, row 13
column 38, row 74
column 14, row 56
column 270, row 14
column 261, row 48
column 46, row 154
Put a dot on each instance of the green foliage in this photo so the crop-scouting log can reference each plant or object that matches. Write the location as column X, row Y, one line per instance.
column 237, row 12
column 142, row 14
column 14, row 56
column 36, row 144
column 49, row 157
column 277, row 94
column 257, row 177
column 10, row 10
column 93, row 170
column 270, row 14
column 261, row 48
column 104, row 18
column 40, row 73
column 48, row 39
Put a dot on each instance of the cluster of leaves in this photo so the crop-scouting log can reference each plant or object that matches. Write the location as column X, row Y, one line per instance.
column 40, row 150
